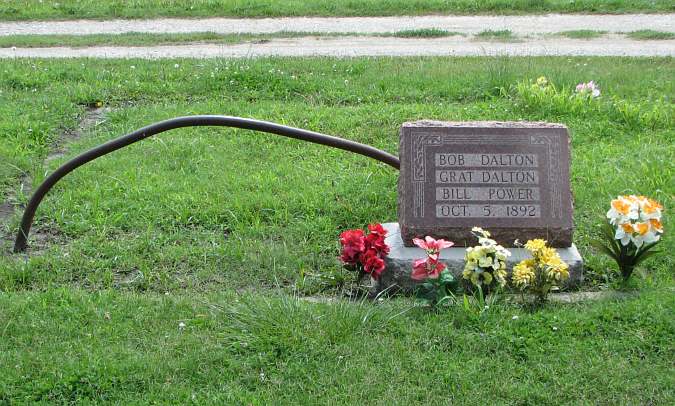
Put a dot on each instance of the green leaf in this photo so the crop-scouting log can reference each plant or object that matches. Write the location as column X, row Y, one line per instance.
column 645, row 255
column 446, row 277
column 604, row 248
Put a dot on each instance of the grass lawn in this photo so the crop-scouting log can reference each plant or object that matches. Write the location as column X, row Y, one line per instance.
column 214, row 228
column 69, row 9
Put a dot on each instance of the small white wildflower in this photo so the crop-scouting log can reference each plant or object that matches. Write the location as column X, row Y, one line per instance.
column 555, row 328
column 514, row 318
column 181, row 325
column 176, row 66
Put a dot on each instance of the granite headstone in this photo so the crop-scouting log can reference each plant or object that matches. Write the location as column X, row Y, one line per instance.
column 511, row 178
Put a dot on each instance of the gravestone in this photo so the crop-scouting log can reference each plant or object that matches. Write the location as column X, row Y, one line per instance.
column 510, row 178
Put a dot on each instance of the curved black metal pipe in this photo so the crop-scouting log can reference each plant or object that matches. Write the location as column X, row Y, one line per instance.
column 180, row 122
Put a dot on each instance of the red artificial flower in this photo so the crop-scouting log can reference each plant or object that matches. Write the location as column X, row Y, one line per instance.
column 353, row 245
column 426, row 268
column 367, row 252
column 372, row 263
column 432, row 247
column 376, row 241
column 377, row 229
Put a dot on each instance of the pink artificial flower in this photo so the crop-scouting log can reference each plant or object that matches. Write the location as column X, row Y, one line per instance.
column 590, row 87
column 426, row 268
column 431, row 246
column 353, row 244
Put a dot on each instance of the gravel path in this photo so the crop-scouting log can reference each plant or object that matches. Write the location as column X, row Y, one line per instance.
column 465, row 24
column 366, row 46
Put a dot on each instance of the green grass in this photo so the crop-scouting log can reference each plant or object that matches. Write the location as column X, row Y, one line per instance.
column 70, row 346
column 126, row 39
column 69, row 9
column 496, row 35
column 582, row 34
column 145, row 39
column 170, row 229
column 645, row 35
column 424, row 33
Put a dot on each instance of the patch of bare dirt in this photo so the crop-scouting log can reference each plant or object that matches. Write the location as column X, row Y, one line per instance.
column 93, row 117
column 45, row 235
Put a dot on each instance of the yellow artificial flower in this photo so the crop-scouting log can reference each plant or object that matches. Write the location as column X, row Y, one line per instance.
column 500, row 276
column 487, row 277
column 547, row 254
column 523, row 273
column 558, row 273
column 535, row 245
column 485, row 262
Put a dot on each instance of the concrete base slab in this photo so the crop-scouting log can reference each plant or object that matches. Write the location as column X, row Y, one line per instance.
column 400, row 259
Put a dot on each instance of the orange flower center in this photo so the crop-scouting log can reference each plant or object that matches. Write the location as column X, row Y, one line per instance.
column 642, row 228
column 651, row 206
column 656, row 224
column 621, row 206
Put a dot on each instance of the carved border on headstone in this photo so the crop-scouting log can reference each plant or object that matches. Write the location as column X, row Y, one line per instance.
column 554, row 174
column 424, row 138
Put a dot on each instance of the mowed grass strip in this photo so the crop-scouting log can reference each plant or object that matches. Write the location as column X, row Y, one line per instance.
column 73, row 9
column 74, row 346
column 208, row 208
